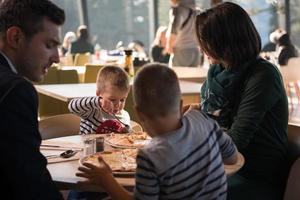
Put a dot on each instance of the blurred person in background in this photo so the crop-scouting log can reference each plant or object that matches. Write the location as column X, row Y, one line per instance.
column 68, row 39
column 138, row 48
column 181, row 40
column 158, row 48
column 82, row 44
column 284, row 47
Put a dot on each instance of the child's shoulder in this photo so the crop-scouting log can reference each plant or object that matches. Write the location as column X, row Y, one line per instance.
column 199, row 120
column 197, row 114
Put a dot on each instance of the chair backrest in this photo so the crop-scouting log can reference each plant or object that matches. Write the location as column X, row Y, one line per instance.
column 68, row 60
column 292, row 191
column 136, row 127
column 291, row 76
column 129, row 107
column 59, row 126
column 51, row 77
column 68, row 76
column 81, row 59
column 49, row 106
column 91, row 72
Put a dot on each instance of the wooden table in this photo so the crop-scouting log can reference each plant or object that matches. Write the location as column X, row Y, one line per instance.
column 66, row 92
column 63, row 173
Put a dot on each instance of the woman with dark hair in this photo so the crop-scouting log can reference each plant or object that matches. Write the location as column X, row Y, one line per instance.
column 245, row 94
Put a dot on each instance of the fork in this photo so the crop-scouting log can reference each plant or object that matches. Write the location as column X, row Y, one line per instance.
column 114, row 116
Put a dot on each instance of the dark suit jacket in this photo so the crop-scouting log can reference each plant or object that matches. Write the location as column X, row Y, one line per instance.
column 23, row 168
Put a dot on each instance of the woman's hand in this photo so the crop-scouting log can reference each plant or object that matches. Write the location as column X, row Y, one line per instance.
column 96, row 175
column 189, row 107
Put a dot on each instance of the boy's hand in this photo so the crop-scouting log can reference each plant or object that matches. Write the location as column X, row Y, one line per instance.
column 107, row 105
column 97, row 175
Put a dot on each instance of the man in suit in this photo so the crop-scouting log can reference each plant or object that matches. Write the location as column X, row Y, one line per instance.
column 29, row 34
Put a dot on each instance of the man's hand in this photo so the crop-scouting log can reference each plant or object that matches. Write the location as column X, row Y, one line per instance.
column 189, row 107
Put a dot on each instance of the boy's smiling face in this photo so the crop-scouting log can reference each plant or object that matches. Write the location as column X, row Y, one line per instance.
column 115, row 95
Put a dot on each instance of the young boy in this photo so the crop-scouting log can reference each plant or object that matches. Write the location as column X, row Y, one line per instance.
column 98, row 113
column 184, row 160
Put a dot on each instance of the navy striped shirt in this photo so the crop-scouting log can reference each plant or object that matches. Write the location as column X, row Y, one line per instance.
column 186, row 163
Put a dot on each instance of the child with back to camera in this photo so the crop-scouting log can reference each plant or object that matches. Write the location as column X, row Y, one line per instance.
column 98, row 114
column 184, row 159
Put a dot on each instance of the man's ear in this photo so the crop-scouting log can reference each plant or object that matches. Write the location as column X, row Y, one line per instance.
column 14, row 36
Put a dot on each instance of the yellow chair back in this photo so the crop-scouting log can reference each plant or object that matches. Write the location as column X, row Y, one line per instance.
column 91, row 71
column 81, row 59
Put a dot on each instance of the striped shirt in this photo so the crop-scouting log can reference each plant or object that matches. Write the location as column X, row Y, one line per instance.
column 186, row 163
column 88, row 108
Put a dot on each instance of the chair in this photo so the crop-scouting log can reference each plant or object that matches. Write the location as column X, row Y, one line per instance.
column 91, row 71
column 68, row 76
column 129, row 107
column 59, row 126
column 292, row 191
column 49, row 106
column 81, row 59
column 136, row 127
column 291, row 76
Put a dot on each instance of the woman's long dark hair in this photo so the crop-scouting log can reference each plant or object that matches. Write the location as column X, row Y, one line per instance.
column 227, row 34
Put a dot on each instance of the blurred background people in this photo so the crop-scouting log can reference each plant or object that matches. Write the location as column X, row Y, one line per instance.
column 181, row 41
column 82, row 44
column 138, row 48
column 68, row 39
column 271, row 45
column 158, row 48
column 285, row 49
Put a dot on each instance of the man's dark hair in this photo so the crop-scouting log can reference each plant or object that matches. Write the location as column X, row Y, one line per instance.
column 226, row 33
column 28, row 15
column 156, row 90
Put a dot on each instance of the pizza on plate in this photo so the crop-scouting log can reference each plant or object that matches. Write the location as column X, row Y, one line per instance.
column 119, row 160
column 131, row 140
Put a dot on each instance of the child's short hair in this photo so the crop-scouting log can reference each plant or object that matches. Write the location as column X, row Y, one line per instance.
column 113, row 75
column 156, row 90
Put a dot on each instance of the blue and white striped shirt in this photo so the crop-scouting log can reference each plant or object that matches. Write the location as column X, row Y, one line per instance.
column 186, row 163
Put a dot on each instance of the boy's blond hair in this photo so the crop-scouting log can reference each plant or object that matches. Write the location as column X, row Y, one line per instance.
column 156, row 90
column 113, row 75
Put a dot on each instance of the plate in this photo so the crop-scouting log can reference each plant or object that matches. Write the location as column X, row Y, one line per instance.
column 121, row 161
column 128, row 141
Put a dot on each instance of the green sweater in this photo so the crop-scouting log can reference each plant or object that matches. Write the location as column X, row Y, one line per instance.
column 259, row 127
